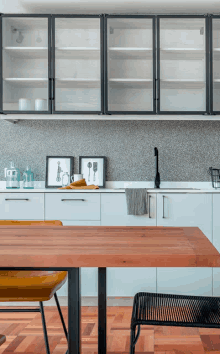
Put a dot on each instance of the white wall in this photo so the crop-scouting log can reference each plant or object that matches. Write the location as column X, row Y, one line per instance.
column 111, row 6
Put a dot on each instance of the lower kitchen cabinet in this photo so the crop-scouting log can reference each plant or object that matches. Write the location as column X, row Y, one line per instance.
column 128, row 281
column 114, row 211
column 72, row 206
column 183, row 209
column 22, row 206
column 216, row 242
column 185, row 281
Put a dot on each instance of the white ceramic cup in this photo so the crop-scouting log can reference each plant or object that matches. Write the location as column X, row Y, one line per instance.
column 40, row 104
column 76, row 177
column 24, row 104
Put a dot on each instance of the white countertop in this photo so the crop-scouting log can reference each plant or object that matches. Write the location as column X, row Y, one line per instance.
column 119, row 187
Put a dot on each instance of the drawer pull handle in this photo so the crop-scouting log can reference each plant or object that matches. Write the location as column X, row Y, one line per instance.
column 16, row 199
column 63, row 200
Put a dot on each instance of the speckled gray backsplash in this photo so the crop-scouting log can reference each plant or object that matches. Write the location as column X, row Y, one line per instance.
column 186, row 148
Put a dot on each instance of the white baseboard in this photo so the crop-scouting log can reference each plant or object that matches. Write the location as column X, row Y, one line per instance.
column 85, row 301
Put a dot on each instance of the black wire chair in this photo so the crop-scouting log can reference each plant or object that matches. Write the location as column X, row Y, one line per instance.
column 173, row 310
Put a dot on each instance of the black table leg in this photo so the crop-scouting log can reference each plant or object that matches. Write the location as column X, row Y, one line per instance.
column 102, row 311
column 74, row 310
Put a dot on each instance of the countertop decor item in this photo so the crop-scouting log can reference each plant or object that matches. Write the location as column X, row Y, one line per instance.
column 28, row 179
column 80, row 184
column 56, row 166
column 76, row 177
column 12, row 175
column 215, row 174
column 65, row 179
column 93, row 169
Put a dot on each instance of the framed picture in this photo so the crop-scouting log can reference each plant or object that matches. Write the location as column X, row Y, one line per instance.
column 56, row 166
column 93, row 169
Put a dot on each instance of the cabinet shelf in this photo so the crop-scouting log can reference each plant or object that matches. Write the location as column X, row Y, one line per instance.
column 130, row 53
column 80, row 82
column 27, row 82
column 182, row 53
column 77, row 53
column 27, row 52
column 182, row 83
column 131, row 83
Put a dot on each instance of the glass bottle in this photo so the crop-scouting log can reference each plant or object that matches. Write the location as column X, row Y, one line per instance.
column 28, row 179
column 12, row 175
column 65, row 179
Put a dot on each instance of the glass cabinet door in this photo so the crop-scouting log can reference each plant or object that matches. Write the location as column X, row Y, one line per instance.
column 77, row 64
column 25, row 64
column 216, row 64
column 130, row 68
column 182, row 65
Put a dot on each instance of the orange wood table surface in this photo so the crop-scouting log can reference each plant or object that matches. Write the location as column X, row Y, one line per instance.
column 105, row 246
column 73, row 247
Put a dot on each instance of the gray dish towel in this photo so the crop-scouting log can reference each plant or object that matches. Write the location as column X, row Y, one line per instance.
column 136, row 201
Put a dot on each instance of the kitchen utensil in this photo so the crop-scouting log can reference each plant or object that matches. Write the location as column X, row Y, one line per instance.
column 95, row 168
column 24, row 104
column 76, row 177
column 28, row 179
column 40, row 104
column 12, row 175
column 89, row 165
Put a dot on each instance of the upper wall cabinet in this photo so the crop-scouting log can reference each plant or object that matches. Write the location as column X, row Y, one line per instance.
column 110, row 64
column 25, row 64
column 182, row 65
column 77, row 64
column 215, row 65
column 130, row 67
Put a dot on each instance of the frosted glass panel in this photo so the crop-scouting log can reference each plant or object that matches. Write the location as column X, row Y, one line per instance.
column 216, row 63
column 182, row 64
column 130, row 64
column 25, row 64
column 77, row 64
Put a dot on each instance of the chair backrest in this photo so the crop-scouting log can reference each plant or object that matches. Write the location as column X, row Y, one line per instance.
column 31, row 222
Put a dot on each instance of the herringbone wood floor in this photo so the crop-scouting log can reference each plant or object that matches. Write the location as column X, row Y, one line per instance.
column 24, row 334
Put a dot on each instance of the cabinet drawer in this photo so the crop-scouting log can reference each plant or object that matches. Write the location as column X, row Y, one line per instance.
column 22, row 206
column 72, row 206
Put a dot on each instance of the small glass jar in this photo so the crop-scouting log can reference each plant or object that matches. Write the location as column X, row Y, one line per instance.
column 12, row 175
column 28, row 179
column 65, row 179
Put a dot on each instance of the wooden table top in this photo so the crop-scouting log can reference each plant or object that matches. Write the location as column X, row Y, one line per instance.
column 105, row 246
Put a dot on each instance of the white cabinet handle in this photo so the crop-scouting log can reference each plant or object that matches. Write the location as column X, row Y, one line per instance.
column 163, row 206
column 63, row 200
column 149, row 206
column 16, row 199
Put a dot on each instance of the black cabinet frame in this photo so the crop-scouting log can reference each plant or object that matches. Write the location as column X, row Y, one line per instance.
column 104, row 68
column 212, row 112
column 154, row 64
column 101, row 62
column 49, row 111
column 207, row 67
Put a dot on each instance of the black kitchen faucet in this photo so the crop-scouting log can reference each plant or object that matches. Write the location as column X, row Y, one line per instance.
column 157, row 177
